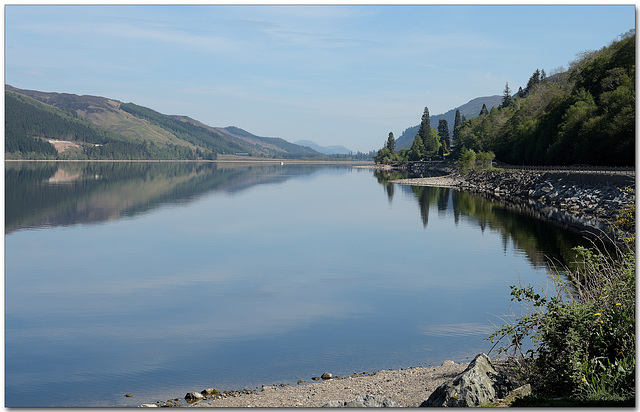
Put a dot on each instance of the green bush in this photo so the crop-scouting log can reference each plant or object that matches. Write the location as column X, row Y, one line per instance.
column 582, row 336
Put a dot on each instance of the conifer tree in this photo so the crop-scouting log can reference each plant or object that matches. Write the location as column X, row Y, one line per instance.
column 457, row 123
column 417, row 149
column 484, row 109
column 425, row 127
column 443, row 133
column 506, row 96
column 391, row 143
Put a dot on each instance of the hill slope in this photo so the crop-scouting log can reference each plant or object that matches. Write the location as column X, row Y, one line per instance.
column 468, row 110
column 100, row 127
column 585, row 115
column 323, row 149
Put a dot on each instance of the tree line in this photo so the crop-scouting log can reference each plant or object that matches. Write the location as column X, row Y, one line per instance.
column 585, row 115
column 428, row 143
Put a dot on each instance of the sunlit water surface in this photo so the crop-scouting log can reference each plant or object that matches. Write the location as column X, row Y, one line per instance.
column 157, row 279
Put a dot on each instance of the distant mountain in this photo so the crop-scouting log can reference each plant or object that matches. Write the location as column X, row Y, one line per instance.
column 328, row 150
column 101, row 128
column 468, row 110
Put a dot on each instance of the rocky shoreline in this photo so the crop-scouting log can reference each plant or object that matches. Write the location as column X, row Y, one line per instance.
column 585, row 202
column 484, row 381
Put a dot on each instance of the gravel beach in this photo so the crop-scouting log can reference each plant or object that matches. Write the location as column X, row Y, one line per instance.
column 405, row 387
column 438, row 181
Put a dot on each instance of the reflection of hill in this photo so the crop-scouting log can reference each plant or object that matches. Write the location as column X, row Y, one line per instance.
column 61, row 194
column 539, row 240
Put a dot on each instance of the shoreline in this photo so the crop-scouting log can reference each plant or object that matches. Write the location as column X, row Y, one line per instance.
column 406, row 387
column 437, row 181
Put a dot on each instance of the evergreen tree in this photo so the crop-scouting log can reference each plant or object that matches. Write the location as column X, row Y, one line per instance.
column 457, row 123
column 425, row 127
column 417, row 149
column 391, row 143
column 484, row 110
column 506, row 96
column 443, row 133
column 533, row 80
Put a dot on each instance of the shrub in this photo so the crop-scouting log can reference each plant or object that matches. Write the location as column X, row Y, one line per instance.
column 581, row 337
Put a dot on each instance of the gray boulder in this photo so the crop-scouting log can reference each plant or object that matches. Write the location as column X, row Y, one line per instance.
column 368, row 401
column 477, row 385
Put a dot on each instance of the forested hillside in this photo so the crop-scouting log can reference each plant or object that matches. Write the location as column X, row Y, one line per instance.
column 585, row 115
column 30, row 125
column 40, row 125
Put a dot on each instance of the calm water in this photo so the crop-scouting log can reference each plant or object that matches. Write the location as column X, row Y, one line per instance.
column 159, row 279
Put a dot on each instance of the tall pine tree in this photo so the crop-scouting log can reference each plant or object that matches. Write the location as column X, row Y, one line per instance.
column 443, row 133
column 457, row 122
column 391, row 143
column 506, row 96
column 425, row 126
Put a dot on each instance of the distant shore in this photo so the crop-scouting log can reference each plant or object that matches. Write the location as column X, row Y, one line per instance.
column 225, row 160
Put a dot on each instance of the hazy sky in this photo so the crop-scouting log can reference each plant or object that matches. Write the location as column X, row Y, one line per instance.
column 333, row 74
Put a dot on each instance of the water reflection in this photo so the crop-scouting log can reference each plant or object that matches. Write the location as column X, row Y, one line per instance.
column 385, row 177
column 540, row 240
column 60, row 194
column 222, row 286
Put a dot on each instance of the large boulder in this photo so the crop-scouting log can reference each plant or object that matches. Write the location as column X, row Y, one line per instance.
column 477, row 385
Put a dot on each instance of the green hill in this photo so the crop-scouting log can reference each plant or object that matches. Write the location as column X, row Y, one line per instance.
column 585, row 115
column 93, row 127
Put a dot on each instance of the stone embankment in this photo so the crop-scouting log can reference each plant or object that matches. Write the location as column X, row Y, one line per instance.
column 580, row 201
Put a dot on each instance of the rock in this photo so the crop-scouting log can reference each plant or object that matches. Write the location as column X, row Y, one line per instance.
column 148, row 405
column 477, row 385
column 448, row 363
column 129, row 395
column 193, row 397
column 520, row 392
column 367, row 401
column 333, row 404
column 326, row 376
column 210, row 392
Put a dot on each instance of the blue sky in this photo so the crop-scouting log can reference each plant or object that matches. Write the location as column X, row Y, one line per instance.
column 334, row 74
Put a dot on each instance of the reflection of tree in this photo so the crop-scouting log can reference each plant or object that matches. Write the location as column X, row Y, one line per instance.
column 427, row 196
column 385, row 177
column 539, row 240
